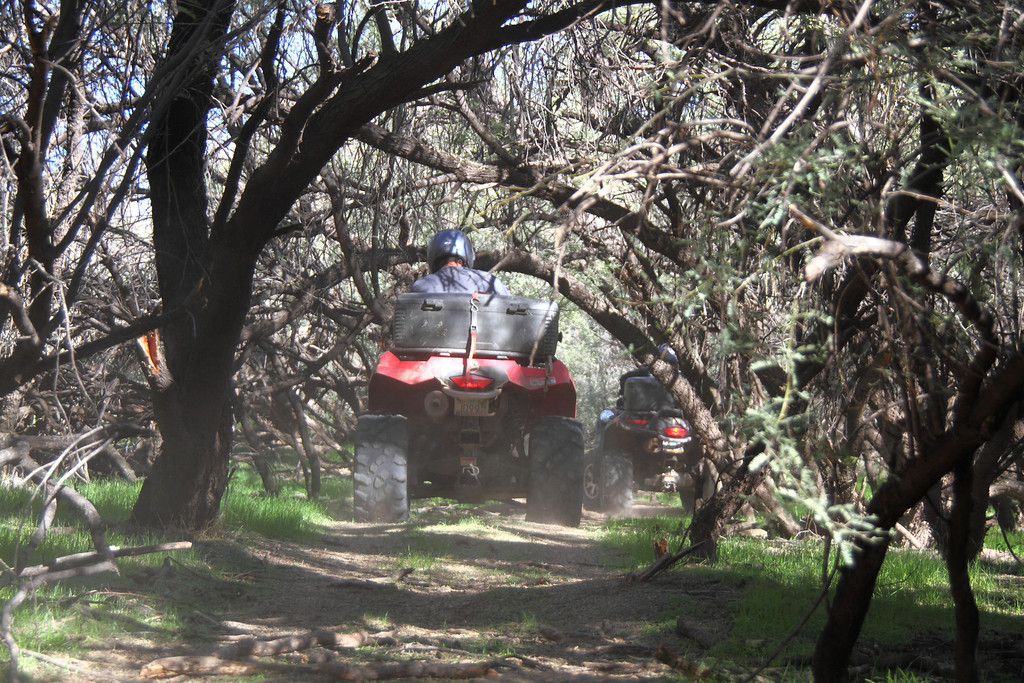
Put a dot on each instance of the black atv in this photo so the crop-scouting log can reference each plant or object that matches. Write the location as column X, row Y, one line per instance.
column 643, row 443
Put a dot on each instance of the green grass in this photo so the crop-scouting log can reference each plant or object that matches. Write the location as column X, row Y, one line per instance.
column 69, row 616
column 112, row 498
column 65, row 617
column 19, row 512
column 995, row 540
column 288, row 514
column 415, row 559
column 897, row 677
column 280, row 516
column 780, row 583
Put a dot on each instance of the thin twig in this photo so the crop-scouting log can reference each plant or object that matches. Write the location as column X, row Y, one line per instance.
column 1009, row 546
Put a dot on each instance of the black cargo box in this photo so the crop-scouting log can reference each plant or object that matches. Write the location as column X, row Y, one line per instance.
column 507, row 326
column 644, row 394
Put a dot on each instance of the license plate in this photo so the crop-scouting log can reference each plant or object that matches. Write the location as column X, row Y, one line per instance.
column 472, row 407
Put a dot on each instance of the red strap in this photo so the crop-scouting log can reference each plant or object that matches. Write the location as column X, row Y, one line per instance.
column 472, row 332
column 472, row 348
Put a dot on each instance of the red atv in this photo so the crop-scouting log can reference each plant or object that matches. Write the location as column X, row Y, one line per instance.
column 471, row 404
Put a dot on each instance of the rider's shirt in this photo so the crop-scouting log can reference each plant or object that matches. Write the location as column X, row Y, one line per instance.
column 460, row 279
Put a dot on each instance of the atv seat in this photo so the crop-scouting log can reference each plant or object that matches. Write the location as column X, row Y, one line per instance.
column 506, row 326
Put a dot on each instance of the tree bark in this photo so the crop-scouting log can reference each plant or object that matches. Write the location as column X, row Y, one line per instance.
column 191, row 374
column 710, row 518
column 989, row 465
column 846, row 616
column 957, row 564
column 193, row 405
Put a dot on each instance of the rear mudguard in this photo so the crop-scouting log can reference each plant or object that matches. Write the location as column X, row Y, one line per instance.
column 399, row 385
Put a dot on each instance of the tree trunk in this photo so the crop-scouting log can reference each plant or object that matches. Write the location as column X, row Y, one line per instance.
column 189, row 477
column 259, row 455
column 192, row 405
column 710, row 519
column 989, row 465
column 190, row 368
column 958, row 558
column 846, row 616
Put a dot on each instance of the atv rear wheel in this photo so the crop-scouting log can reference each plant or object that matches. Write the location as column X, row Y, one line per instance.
column 380, row 472
column 555, row 492
column 616, row 484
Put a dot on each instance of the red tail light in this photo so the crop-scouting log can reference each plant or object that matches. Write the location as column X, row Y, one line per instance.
column 472, row 382
column 676, row 432
column 636, row 421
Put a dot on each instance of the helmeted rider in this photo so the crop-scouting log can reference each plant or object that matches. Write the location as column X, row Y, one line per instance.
column 668, row 354
column 450, row 256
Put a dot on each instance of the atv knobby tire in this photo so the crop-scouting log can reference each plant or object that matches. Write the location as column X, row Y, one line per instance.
column 555, row 491
column 379, row 475
column 615, row 488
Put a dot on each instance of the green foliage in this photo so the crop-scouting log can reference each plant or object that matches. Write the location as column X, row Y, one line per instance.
column 785, row 433
column 594, row 361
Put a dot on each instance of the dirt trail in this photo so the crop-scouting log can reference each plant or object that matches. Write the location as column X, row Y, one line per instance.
column 545, row 603
column 532, row 602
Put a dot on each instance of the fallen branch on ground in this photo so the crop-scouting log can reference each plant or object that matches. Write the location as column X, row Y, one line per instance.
column 227, row 661
column 83, row 559
column 661, row 564
column 695, row 631
column 251, row 647
column 689, row 668
column 86, row 671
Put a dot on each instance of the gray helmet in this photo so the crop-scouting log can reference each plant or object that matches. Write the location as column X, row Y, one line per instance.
column 667, row 354
column 449, row 243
